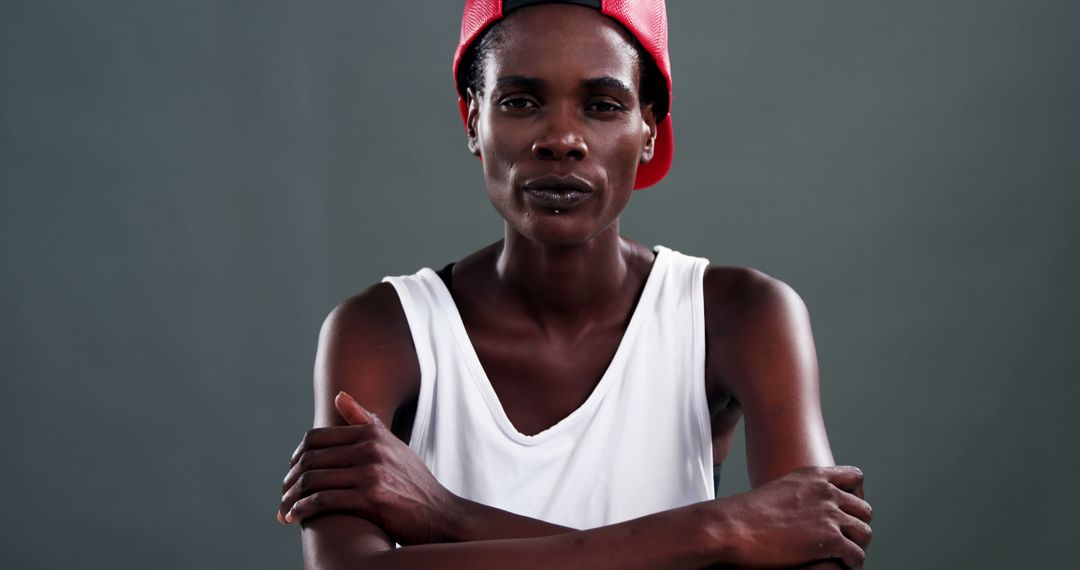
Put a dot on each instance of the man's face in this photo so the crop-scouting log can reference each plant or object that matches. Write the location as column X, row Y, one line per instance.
column 559, row 125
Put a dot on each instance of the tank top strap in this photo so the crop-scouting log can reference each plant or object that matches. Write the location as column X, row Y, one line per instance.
column 421, row 304
column 679, row 327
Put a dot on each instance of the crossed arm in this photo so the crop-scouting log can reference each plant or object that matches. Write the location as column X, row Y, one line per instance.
column 764, row 355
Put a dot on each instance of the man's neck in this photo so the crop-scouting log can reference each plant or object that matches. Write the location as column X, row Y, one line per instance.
column 565, row 285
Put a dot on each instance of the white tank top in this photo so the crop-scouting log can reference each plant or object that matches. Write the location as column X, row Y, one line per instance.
column 641, row 443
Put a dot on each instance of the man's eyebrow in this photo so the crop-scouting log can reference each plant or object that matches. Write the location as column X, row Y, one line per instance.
column 535, row 83
column 607, row 82
column 520, row 81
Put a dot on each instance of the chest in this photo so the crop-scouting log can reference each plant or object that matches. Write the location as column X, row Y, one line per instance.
column 539, row 381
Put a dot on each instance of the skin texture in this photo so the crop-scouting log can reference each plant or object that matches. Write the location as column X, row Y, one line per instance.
column 545, row 309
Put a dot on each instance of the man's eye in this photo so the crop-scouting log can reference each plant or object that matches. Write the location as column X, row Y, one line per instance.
column 605, row 106
column 517, row 103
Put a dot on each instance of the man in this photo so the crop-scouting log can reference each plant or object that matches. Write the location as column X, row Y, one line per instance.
column 567, row 377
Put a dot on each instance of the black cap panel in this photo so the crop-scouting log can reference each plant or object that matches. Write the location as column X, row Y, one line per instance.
column 509, row 5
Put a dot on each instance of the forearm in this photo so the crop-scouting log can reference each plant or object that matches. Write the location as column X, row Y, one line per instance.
column 679, row 538
column 478, row 522
column 472, row 521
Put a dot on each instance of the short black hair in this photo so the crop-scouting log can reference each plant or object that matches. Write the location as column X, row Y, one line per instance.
column 470, row 74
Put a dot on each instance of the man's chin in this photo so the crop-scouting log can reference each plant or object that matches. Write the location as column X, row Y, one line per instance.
column 560, row 232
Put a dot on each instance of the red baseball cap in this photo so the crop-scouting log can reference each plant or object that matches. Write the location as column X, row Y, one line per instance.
column 645, row 19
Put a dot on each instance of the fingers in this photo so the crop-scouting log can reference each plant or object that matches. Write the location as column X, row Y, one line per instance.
column 857, row 531
column 857, row 490
column 322, row 502
column 851, row 547
column 851, row 554
column 327, row 458
column 352, row 411
column 845, row 477
column 855, row 507
column 314, row 481
column 362, row 424
column 838, row 549
column 332, row 436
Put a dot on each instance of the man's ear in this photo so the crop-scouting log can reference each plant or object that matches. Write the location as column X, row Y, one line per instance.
column 473, row 100
column 648, row 130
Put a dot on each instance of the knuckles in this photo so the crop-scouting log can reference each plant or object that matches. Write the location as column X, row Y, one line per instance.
column 823, row 489
column 868, row 534
column 836, row 514
column 370, row 452
column 304, row 482
column 859, row 557
column 305, row 461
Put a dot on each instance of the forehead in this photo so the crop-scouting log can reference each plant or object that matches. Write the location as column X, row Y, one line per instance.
column 554, row 41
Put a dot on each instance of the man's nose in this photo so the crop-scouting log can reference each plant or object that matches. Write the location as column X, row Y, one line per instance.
column 562, row 139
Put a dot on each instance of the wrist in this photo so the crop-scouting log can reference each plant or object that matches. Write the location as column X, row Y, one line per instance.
column 721, row 534
column 455, row 519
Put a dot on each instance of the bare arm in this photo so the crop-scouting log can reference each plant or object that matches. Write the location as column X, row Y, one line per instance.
column 764, row 355
column 477, row 521
column 766, row 359
column 671, row 539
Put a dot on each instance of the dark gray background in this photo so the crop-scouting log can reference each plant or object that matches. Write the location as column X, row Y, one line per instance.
column 189, row 187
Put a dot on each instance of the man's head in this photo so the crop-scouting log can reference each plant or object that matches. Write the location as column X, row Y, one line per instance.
column 556, row 107
column 652, row 88
column 645, row 22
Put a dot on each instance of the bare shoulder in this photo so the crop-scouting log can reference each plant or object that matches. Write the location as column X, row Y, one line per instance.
column 366, row 349
column 751, row 315
column 736, row 291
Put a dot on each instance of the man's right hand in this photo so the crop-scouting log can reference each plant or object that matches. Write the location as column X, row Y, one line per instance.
column 812, row 514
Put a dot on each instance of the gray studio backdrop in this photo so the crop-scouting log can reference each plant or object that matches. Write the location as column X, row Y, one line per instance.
column 189, row 187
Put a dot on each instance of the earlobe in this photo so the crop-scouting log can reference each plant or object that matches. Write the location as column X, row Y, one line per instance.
column 474, row 148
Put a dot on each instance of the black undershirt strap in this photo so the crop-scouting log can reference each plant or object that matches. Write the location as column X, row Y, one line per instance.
column 509, row 5
column 447, row 276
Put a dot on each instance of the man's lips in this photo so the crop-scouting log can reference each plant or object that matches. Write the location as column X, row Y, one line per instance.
column 558, row 192
column 559, row 183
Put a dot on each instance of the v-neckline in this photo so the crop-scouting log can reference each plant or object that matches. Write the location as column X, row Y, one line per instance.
column 480, row 377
